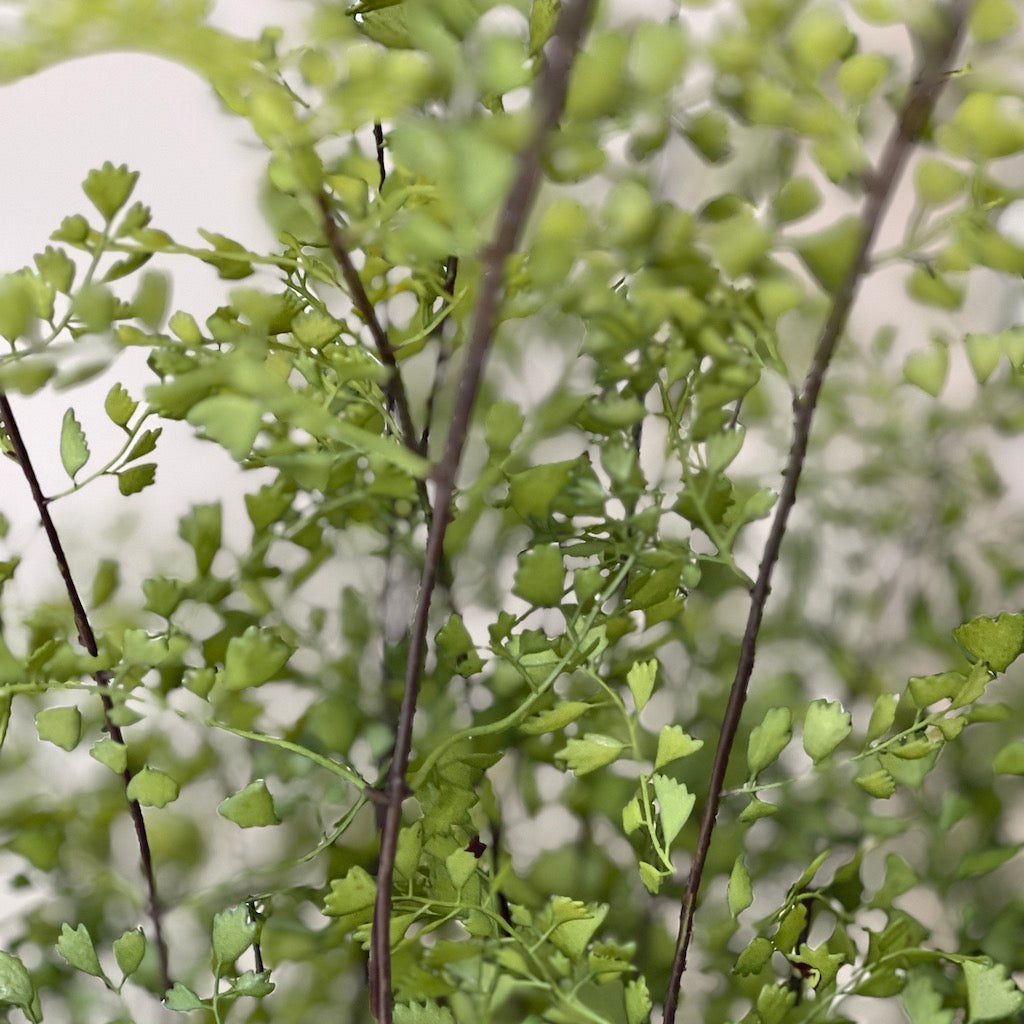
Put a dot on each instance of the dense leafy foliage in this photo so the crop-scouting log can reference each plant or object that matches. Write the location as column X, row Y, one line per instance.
column 706, row 200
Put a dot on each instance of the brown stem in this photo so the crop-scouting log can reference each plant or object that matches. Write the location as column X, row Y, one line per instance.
column 549, row 99
column 917, row 107
column 88, row 640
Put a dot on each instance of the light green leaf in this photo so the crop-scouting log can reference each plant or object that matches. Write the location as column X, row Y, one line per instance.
column 56, row 268
column 754, row 958
column 638, row 1001
column 928, row 369
column 427, row 1013
column 129, row 950
column 200, row 528
column 579, row 921
column 1010, row 759
column 829, row 254
column 673, row 744
column 543, row 15
column 461, row 865
column 741, row 893
column 922, row 1004
column 859, row 76
column 254, row 658
column 825, row 727
column 75, row 946
column 879, row 784
column 594, row 751
column 883, row 714
column 250, row 807
column 768, row 740
column 233, row 421
column 675, row 804
column 233, row 933
column 110, row 754
column 937, row 182
column 182, row 999
column 152, row 788
column 982, row 862
column 119, row 406
column 74, row 451
column 16, row 988
column 554, row 719
column 229, row 257
column 996, row 641
column 353, row 893
column 61, row 726
column 540, row 577
column 993, row 19
column 109, row 187
column 138, row 478
column 532, row 492
column 983, row 353
column 640, row 680
column 991, row 995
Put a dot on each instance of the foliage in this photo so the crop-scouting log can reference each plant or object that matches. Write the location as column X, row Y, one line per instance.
column 710, row 192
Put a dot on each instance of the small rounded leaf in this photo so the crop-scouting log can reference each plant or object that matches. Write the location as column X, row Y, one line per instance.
column 75, row 946
column 61, row 726
column 590, row 753
column 233, row 933
column 768, row 740
column 152, row 788
column 250, row 807
column 540, row 578
column 741, row 893
column 129, row 950
column 825, row 727
column 111, row 754
column 254, row 658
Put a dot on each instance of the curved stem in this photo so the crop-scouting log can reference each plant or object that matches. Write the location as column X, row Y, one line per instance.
column 88, row 640
column 917, row 107
column 548, row 101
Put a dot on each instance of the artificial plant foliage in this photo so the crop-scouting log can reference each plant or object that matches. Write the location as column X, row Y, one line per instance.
column 519, row 419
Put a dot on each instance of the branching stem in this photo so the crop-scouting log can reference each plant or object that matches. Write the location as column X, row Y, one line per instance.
column 548, row 101
column 917, row 107
column 88, row 640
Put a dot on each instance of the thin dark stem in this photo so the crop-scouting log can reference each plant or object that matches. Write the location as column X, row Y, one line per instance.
column 88, row 640
column 549, row 99
column 450, row 273
column 394, row 389
column 378, row 140
column 920, row 101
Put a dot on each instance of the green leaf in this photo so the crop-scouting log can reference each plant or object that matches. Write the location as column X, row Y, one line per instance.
column 991, row 995
column 640, row 680
column 61, row 726
column 673, row 744
column 110, row 754
column 931, row 288
column 74, row 451
column 56, row 268
column 355, row 893
column 75, row 946
column 540, row 577
column 254, row 658
column 543, row 15
column 233, row 933
column 982, row 862
column 825, row 727
column 594, row 751
column 461, row 865
column 532, row 492
column 993, row 19
column 983, row 353
column 829, row 254
column 129, row 950
column 755, row 957
column 233, row 421
column 109, row 187
column 937, row 182
column 859, row 76
column 879, row 784
column 740, row 893
column 456, row 646
column 16, row 988
column 138, row 478
column 579, row 921
column 797, row 198
column 1010, row 759
column 315, row 329
column 152, row 788
column 554, row 719
column 768, row 740
column 922, row 1003
column 200, row 528
column 149, row 303
column 996, row 641
column 250, row 807
column 229, row 257
column 182, row 998
column 119, row 406
column 430, row 1012
column 144, row 444
column 675, row 804
column 638, row 1001
column 883, row 714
